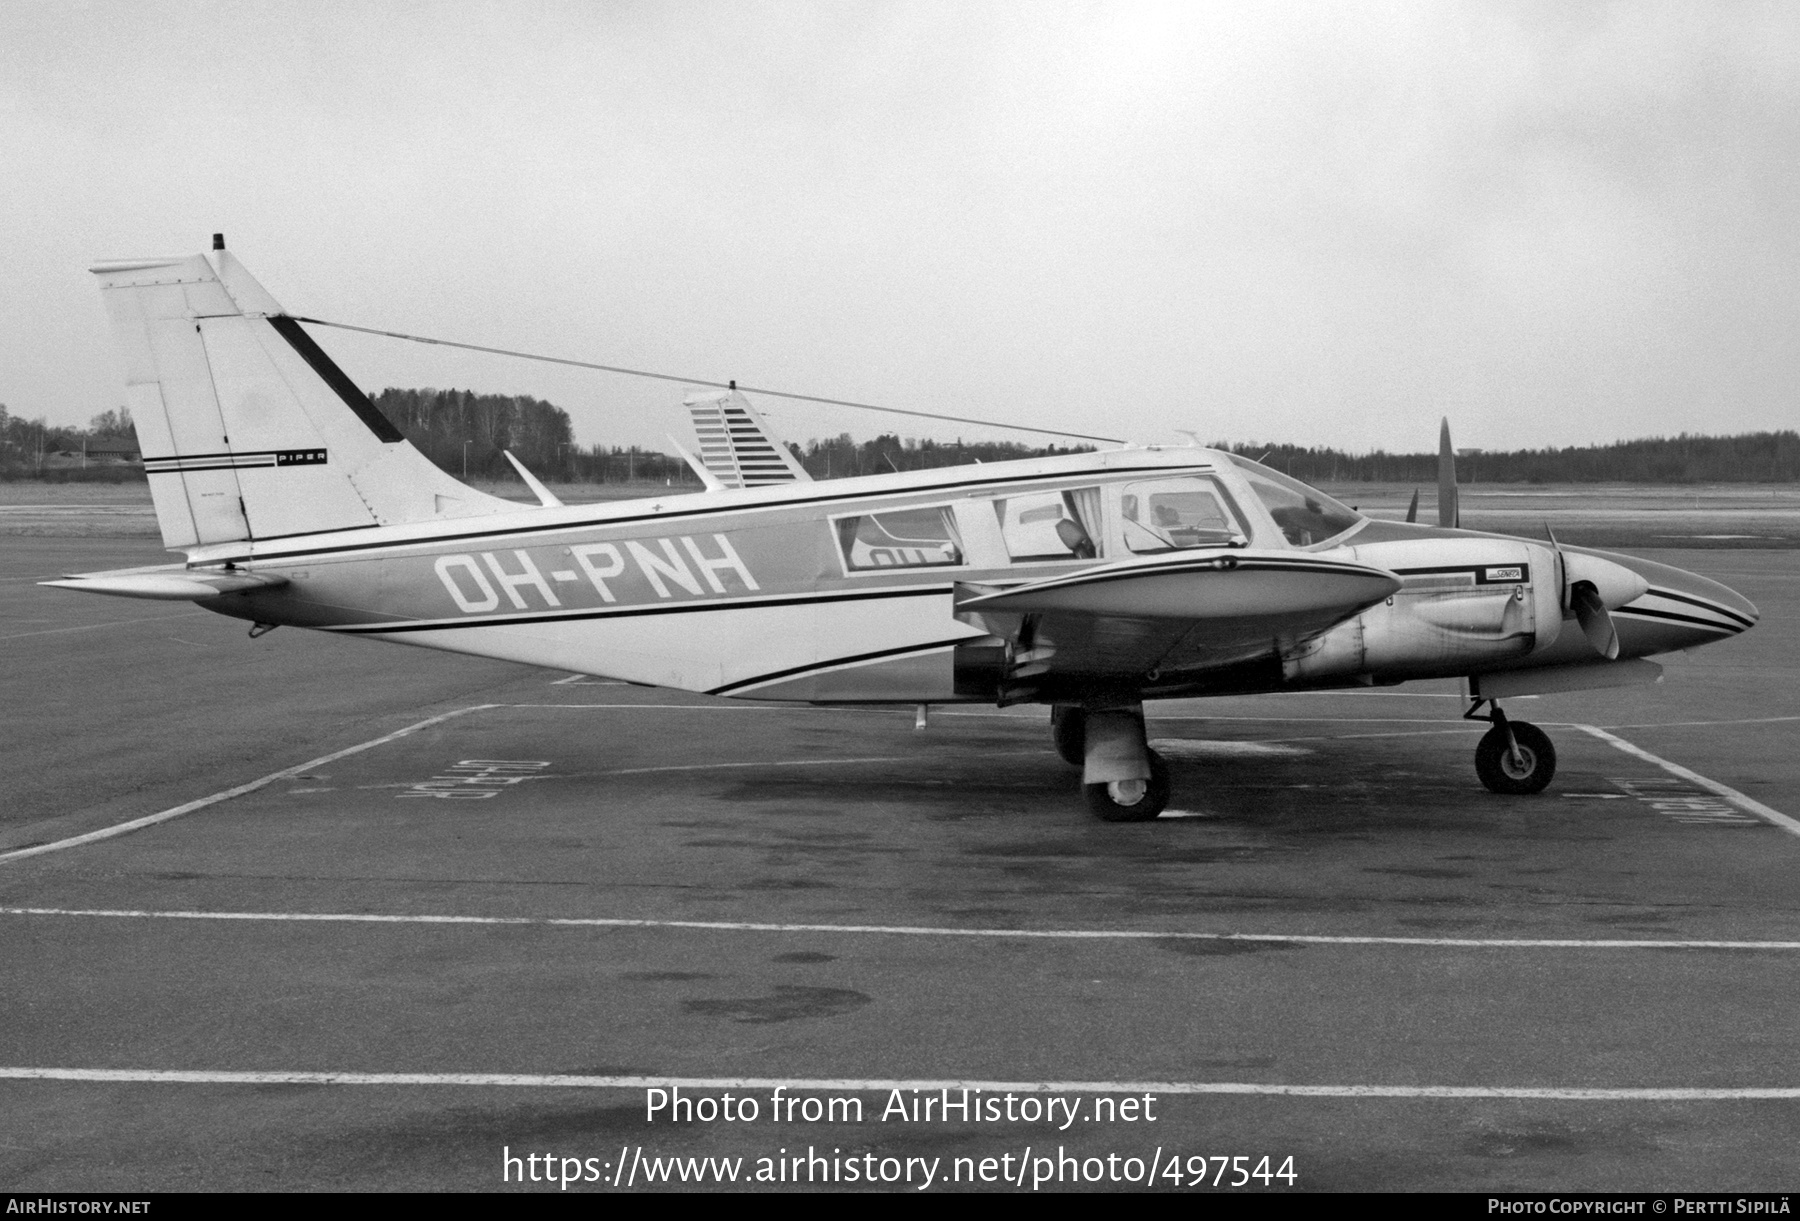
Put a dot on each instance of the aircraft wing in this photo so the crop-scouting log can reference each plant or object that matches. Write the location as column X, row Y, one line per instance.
column 168, row 582
column 1188, row 611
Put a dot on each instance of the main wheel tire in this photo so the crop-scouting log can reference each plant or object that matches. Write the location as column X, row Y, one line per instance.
column 1131, row 800
column 1068, row 729
column 1530, row 773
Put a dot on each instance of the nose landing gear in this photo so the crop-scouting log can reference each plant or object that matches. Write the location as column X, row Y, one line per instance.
column 1514, row 757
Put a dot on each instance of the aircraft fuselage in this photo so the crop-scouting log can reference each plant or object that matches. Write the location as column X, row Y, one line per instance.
column 850, row 590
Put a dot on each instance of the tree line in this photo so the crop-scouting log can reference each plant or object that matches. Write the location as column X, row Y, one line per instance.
column 1754, row 457
column 840, row 457
column 464, row 434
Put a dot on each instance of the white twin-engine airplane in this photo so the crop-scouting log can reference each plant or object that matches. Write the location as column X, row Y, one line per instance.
column 1090, row 582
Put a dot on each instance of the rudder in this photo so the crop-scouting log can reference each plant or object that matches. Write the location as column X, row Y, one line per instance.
column 249, row 431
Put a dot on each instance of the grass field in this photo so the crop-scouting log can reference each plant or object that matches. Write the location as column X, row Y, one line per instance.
column 123, row 510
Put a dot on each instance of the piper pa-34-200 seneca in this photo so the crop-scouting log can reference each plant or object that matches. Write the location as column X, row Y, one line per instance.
column 1090, row 582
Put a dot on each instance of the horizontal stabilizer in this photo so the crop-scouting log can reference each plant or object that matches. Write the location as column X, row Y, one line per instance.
column 169, row 583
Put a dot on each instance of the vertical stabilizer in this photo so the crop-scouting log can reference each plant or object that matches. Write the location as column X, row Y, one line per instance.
column 737, row 446
column 248, row 429
column 1449, row 500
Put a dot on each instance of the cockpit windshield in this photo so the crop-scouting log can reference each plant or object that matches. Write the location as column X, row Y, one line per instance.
column 1305, row 514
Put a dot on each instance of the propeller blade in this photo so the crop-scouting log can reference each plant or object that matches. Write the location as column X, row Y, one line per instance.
column 1449, row 508
column 1596, row 621
column 1412, row 510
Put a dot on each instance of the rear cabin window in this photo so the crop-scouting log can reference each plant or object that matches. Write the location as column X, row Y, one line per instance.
column 1176, row 514
column 899, row 538
column 1051, row 525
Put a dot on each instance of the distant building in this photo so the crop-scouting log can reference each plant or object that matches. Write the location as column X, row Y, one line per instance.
column 114, row 449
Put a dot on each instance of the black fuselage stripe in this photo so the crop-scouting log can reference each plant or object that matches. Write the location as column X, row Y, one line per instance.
column 1678, row 618
column 627, row 612
column 1449, row 570
column 1703, row 604
column 797, row 671
column 712, row 511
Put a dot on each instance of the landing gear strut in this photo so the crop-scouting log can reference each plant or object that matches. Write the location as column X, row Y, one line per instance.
column 1514, row 757
column 1068, row 729
column 1121, row 777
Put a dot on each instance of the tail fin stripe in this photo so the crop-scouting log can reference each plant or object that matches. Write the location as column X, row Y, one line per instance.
column 177, row 468
column 261, row 457
column 335, row 377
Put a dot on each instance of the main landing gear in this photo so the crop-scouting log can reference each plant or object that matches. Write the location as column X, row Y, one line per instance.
column 1124, row 780
column 1514, row 757
column 1121, row 777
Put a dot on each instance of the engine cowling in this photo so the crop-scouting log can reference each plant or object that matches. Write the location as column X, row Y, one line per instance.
column 1467, row 603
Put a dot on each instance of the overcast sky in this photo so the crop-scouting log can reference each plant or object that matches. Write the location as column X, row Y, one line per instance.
column 1327, row 223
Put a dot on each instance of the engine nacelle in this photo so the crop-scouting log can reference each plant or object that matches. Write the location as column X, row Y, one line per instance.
column 1467, row 603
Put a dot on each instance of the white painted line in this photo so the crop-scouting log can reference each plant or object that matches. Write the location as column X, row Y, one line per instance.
column 1747, row 804
column 713, row 767
column 687, row 707
column 913, row 930
column 1388, row 695
column 89, row 627
column 227, row 794
column 583, row 680
column 1308, row 720
column 1398, row 733
column 1222, row 748
column 888, row 1084
column 1753, row 720
column 1003, row 716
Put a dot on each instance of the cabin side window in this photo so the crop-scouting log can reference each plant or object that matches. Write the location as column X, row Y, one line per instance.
column 899, row 538
column 1176, row 514
column 1051, row 525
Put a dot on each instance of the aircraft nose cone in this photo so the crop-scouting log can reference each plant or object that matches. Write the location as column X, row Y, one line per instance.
column 1681, row 609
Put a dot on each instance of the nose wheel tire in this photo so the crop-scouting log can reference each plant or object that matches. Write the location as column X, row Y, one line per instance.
column 1131, row 800
column 1504, row 772
column 1068, row 730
